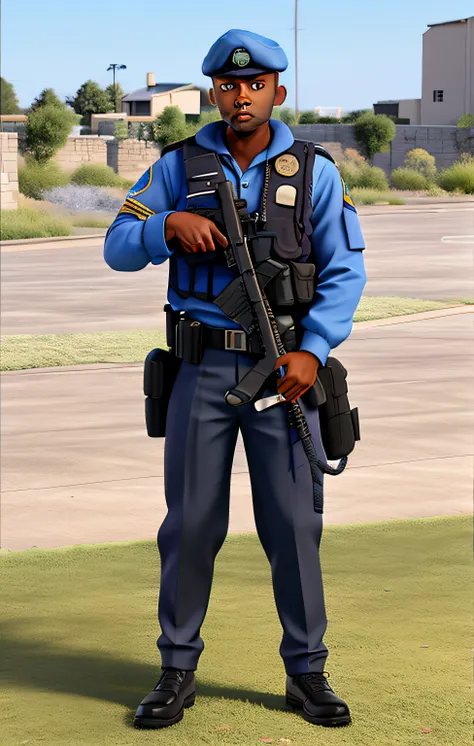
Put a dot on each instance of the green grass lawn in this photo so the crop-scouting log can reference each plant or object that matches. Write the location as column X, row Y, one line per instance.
column 20, row 351
column 79, row 636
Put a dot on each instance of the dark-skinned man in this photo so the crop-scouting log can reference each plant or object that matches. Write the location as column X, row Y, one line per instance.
column 294, row 190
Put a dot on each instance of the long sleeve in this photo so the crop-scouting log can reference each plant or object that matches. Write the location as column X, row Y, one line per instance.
column 137, row 235
column 337, row 247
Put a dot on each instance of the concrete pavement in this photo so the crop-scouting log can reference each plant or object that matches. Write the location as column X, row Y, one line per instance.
column 78, row 466
column 46, row 292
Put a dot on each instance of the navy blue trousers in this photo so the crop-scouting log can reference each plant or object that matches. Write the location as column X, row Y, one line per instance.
column 201, row 435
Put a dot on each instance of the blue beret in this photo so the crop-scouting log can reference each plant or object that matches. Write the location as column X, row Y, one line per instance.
column 239, row 52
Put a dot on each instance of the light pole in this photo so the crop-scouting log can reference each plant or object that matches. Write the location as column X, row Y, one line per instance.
column 296, row 59
column 115, row 66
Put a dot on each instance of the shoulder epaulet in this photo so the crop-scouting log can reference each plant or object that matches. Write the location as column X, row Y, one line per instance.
column 176, row 145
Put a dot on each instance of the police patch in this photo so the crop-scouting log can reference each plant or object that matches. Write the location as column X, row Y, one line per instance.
column 355, row 239
column 143, row 183
column 241, row 57
column 347, row 197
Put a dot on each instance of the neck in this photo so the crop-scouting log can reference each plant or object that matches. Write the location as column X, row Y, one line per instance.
column 244, row 146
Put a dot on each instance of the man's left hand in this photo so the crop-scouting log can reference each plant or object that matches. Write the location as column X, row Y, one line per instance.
column 302, row 369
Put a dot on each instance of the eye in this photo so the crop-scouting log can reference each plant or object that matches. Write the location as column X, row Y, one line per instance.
column 257, row 85
column 227, row 86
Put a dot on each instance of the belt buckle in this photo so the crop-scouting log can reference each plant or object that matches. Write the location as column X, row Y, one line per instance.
column 235, row 339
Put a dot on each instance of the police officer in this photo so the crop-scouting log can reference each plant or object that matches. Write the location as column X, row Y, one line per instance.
column 315, row 220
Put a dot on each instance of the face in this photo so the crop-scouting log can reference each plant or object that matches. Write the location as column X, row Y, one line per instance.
column 247, row 102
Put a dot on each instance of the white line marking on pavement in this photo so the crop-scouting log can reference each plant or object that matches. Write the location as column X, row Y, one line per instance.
column 458, row 239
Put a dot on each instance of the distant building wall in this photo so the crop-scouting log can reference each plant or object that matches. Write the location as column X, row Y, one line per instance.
column 82, row 149
column 130, row 158
column 9, row 170
column 410, row 108
column 448, row 60
column 445, row 143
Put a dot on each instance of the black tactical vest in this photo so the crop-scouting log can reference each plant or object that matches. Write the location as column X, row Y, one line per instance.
column 285, row 211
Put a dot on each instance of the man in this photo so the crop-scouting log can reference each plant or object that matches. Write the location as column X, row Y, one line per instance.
column 156, row 223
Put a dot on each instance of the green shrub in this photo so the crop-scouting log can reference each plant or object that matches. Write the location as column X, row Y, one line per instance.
column 421, row 161
column 374, row 133
column 121, row 129
column 467, row 120
column 406, row 178
column 367, row 177
column 288, row 116
column 47, row 130
column 35, row 177
column 26, row 223
column 458, row 177
column 373, row 196
column 96, row 174
column 308, row 117
column 169, row 126
column 351, row 155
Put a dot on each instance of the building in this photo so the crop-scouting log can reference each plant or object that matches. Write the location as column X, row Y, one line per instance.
column 447, row 77
column 151, row 100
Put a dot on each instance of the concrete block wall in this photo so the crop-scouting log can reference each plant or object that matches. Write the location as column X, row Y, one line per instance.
column 82, row 149
column 9, row 170
column 446, row 143
column 130, row 158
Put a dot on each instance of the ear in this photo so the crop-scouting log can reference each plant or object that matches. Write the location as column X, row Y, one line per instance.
column 280, row 95
column 212, row 97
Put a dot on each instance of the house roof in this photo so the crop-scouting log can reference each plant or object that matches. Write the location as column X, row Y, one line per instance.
column 445, row 23
column 145, row 94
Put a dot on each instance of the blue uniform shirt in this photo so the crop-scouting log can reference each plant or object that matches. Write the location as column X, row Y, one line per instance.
column 133, row 242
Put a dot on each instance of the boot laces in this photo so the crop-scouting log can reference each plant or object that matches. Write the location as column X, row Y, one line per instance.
column 317, row 682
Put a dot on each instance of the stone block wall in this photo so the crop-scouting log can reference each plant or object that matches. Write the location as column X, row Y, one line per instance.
column 9, row 170
column 82, row 149
column 130, row 158
column 446, row 143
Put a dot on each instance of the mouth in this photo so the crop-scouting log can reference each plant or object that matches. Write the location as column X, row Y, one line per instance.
column 243, row 116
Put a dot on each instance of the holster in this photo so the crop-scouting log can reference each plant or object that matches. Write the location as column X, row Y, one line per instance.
column 338, row 422
column 161, row 369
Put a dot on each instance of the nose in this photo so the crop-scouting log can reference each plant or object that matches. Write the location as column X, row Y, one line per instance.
column 243, row 99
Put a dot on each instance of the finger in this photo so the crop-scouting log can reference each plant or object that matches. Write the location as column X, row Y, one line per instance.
column 294, row 394
column 220, row 238
column 206, row 239
column 283, row 360
column 285, row 386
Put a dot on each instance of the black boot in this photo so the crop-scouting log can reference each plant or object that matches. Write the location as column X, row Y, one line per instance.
column 165, row 704
column 312, row 693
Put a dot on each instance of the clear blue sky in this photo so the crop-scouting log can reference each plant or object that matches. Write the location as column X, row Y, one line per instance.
column 351, row 52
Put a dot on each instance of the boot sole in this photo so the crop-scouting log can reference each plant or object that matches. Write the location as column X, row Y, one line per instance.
column 162, row 723
column 328, row 722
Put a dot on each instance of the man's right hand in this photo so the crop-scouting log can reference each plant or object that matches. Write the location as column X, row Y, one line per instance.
column 195, row 232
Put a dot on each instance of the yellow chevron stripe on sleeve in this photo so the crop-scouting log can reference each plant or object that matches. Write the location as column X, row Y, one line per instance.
column 139, row 206
column 124, row 208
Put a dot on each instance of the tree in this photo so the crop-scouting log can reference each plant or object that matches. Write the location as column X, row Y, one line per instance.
column 90, row 99
column 374, row 133
column 308, row 117
column 288, row 116
column 121, row 129
column 47, row 129
column 47, row 97
column 8, row 100
column 169, row 126
column 352, row 116
column 467, row 120
column 115, row 95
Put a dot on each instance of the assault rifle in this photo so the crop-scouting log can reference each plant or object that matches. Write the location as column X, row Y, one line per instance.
column 244, row 301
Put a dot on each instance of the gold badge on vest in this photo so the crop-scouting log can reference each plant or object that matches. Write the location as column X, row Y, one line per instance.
column 287, row 165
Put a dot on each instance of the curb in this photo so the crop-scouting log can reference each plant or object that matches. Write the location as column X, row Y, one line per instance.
column 50, row 239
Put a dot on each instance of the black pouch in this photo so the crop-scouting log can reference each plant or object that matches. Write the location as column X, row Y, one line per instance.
column 338, row 422
column 302, row 274
column 161, row 369
column 189, row 345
